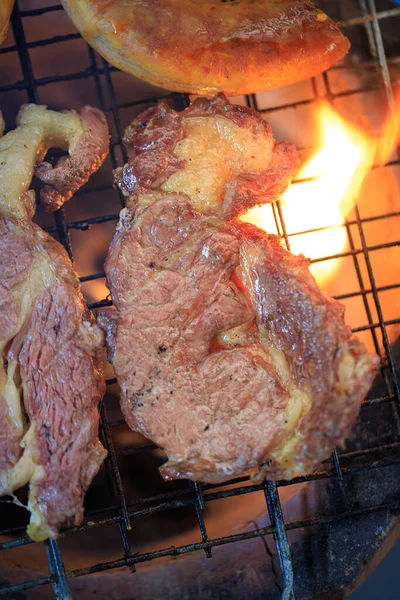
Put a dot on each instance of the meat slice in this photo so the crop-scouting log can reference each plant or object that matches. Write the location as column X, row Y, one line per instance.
column 51, row 376
column 222, row 156
column 228, row 354
column 87, row 152
column 206, row 46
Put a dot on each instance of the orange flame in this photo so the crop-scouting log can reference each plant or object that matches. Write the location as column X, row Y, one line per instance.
column 326, row 189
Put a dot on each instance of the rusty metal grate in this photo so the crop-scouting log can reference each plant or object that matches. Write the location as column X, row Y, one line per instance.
column 122, row 512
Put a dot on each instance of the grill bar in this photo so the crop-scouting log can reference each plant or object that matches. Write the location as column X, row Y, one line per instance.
column 28, row 585
column 380, row 52
column 180, row 550
column 56, row 564
column 47, row 42
column 115, row 471
column 367, row 18
column 85, row 224
column 280, row 538
column 89, row 72
column 382, row 323
column 335, row 455
column 23, row 55
column 238, row 491
column 200, row 506
column 115, row 484
column 367, row 309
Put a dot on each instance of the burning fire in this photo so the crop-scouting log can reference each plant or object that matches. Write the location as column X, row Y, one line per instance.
column 331, row 183
column 326, row 189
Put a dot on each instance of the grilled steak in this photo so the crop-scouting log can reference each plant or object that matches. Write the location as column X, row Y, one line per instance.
column 224, row 157
column 228, row 354
column 51, row 377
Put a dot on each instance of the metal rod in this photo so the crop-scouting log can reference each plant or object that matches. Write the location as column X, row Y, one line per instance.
column 199, row 505
column 56, row 565
column 247, row 535
column 383, row 14
column 280, row 538
column 382, row 322
column 116, row 475
column 63, row 231
column 180, row 550
column 360, row 280
column 57, row 570
column 23, row 55
column 115, row 487
column 382, row 56
column 368, row 29
column 172, row 498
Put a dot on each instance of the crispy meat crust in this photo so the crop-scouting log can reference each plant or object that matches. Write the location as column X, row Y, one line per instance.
column 205, row 47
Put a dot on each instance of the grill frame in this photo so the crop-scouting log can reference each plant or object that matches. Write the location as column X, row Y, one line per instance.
column 196, row 494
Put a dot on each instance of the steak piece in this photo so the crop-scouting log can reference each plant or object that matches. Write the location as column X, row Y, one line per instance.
column 228, row 355
column 51, row 376
column 223, row 156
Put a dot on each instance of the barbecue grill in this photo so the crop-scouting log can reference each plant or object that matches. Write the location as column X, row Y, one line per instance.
column 237, row 539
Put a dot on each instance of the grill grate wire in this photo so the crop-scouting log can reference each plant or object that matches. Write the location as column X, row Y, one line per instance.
column 197, row 495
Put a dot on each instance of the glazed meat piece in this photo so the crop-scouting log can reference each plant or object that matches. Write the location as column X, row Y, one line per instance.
column 209, row 46
column 228, row 354
column 51, row 377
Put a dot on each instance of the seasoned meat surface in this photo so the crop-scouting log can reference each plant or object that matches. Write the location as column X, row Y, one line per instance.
column 51, row 377
column 228, row 354
column 223, row 156
column 87, row 154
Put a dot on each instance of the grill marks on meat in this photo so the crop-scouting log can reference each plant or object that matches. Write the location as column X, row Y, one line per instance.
column 86, row 156
column 228, row 354
column 224, row 157
column 51, row 377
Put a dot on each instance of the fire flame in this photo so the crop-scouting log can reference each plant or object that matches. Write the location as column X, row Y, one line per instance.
column 326, row 189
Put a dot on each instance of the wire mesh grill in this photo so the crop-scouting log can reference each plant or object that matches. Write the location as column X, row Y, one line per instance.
column 122, row 512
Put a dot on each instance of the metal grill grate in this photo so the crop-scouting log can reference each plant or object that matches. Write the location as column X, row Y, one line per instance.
column 122, row 512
